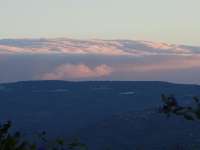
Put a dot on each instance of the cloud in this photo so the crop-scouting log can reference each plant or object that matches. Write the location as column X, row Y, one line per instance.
column 94, row 47
column 169, row 64
column 61, row 46
column 30, row 59
column 79, row 71
column 34, row 67
column 167, row 48
column 10, row 49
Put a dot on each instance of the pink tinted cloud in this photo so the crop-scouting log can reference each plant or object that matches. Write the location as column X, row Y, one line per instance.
column 79, row 71
column 165, row 46
column 158, row 45
column 67, row 47
column 10, row 49
column 165, row 65
column 96, row 47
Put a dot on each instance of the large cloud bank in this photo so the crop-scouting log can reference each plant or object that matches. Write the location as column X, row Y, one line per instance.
column 103, row 47
column 69, row 59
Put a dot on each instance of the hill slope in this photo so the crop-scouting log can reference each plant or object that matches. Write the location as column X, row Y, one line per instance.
column 99, row 112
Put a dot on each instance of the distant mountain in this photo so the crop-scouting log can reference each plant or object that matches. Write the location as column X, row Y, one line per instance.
column 100, row 112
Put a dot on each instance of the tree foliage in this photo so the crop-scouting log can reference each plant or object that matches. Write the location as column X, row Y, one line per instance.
column 171, row 106
column 14, row 141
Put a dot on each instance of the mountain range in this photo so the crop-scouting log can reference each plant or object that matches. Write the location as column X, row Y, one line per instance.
column 115, row 114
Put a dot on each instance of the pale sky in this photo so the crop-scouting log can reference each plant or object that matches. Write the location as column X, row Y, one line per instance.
column 172, row 21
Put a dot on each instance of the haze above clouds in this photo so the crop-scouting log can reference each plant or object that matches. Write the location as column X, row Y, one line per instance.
column 171, row 21
column 71, row 59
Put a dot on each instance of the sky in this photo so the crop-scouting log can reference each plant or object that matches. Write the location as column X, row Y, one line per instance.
column 100, row 40
column 171, row 21
column 81, row 60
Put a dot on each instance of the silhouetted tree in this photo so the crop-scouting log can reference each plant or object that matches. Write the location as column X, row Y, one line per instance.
column 15, row 141
column 171, row 106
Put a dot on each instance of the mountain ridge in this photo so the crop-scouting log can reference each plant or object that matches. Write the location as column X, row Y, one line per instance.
column 99, row 112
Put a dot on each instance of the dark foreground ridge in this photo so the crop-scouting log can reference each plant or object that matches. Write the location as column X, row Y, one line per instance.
column 112, row 114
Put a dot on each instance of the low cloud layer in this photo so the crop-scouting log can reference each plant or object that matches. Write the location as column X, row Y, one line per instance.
column 170, row 64
column 68, row 59
column 101, row 47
